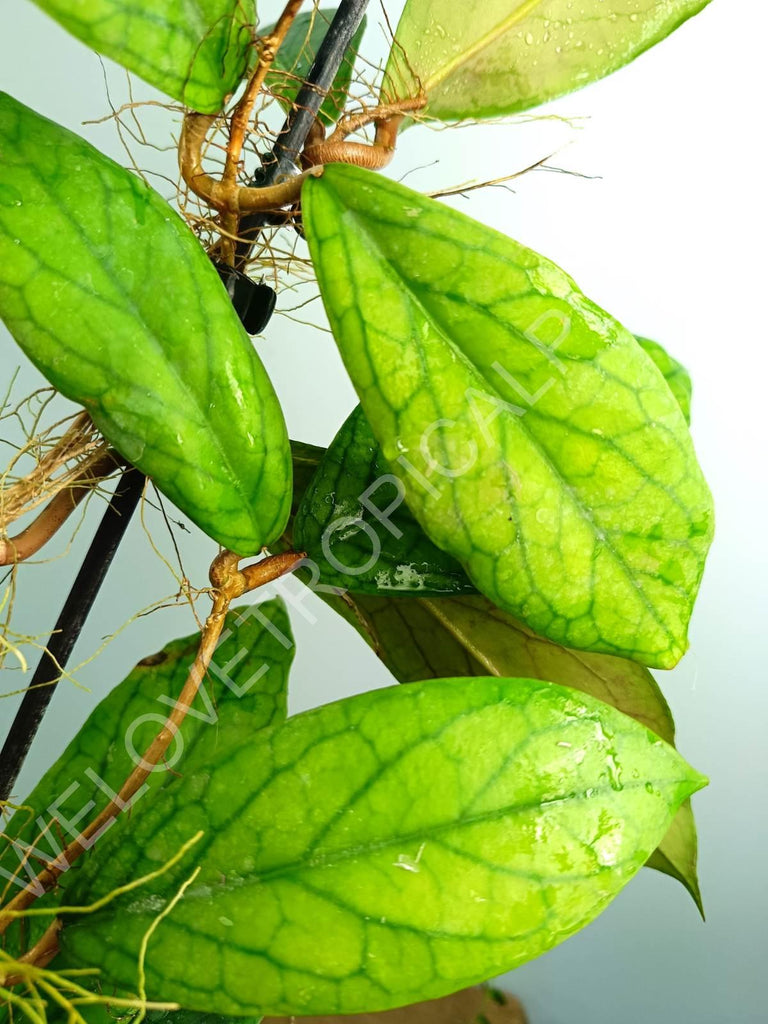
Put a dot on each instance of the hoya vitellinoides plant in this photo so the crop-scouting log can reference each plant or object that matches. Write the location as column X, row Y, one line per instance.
column 513, row 518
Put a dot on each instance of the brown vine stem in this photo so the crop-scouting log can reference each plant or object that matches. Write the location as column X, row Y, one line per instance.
column 248, row 200
column 29, row 540
column 238, row 125
column 387, row 117
column 229, row 582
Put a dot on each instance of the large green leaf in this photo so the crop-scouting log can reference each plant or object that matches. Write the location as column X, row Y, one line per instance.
column 112, row 297
column 427, row 638
column 193, row 50
column 296, row 56
column 509, row 55
column 391, row 847
column 353, row 524
column 675, row 374
column 537, row 442
column 245, row 691
column 352, row 521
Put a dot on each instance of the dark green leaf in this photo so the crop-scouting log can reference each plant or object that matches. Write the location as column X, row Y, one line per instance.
column 112, row 297
column 245, row 691
column 193, row 50
column 509, row 55
column 391, row 847
column 353, row 523
column 675, row 374
column 537, row 442
column 305, row 458
column 295, row 58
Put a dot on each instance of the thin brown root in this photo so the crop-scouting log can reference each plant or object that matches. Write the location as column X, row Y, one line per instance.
column 229, row 582
column 65, row 463
column 29, row 541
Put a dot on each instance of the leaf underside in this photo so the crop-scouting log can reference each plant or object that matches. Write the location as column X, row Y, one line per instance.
column 511, row 55
column 675, row 374
column 441, row 833
column 536, row 441
column 112, row 297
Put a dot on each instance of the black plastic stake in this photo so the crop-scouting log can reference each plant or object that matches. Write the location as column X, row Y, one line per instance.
column 282, row 161
column 70, row 622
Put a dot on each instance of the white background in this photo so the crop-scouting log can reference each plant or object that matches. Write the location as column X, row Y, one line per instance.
column 671, row 239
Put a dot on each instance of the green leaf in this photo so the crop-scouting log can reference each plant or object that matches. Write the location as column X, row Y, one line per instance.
column 353, row 524
column 245, row 691
column 296, row 56
column 391, row 847
column 675, row 374
column 510, row 55
column 425, row 639
column 352, row 521
column 193, row 50
column 113, row 299
column 305, row 458
column 536, row 441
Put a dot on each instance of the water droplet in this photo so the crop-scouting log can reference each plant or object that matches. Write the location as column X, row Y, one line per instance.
column 529, row 38
column 10, row 196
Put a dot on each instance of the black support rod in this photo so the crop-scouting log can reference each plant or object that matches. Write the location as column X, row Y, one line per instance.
column 283, row 160
column 68, row 626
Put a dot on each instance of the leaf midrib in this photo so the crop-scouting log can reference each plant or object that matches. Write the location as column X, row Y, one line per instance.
column 480, row 44
column 334, row 857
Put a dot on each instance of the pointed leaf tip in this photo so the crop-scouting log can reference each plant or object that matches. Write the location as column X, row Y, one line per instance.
column 394, row 846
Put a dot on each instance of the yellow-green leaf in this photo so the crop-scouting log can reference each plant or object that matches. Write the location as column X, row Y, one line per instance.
column 675, row 374
column 505, row 56
column 431, row 638
column 537, row 443
column 395, row 846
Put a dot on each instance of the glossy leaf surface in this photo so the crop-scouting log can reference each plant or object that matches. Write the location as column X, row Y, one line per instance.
column 427, row 638
column 675, row 374
column 244, row 691
column 295, row 58
column 510, row 55
column 537, row 442
column 193, row 50
column 431, row 858
column 352, row 520
column 354, row 524
column 112, row 297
